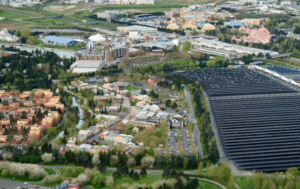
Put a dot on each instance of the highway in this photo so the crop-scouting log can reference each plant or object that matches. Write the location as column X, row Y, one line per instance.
column 193, row 120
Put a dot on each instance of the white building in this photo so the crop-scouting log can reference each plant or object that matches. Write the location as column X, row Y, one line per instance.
column 6, row 36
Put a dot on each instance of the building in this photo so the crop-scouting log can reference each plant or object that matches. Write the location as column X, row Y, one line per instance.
column 153, row 81
column 206, row 27
column 109, row 15
column 189, row 27
column 142, row 124
column 6, row 36
column 225, row 49
column 172, row 27
column 102, row 2
column 127, row 29
column 116, row 53
column 61, row 41
column 86, row 66
column 261, row 35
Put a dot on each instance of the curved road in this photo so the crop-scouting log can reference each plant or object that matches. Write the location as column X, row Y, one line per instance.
column 192, row 117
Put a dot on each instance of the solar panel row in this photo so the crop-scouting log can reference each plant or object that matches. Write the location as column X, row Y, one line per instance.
column 257, row 118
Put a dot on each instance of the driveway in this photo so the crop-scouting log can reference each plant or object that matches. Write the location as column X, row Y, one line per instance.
column 193, row 120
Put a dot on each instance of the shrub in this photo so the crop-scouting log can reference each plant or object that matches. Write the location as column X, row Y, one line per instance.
column 109, row 181
column 83, row 178
column 19, row 169
column 98, row 181
column 7, row 155
column 74, row 172
column 5, row 172
column 36, row 173
column 55, row 179
column 170, row 183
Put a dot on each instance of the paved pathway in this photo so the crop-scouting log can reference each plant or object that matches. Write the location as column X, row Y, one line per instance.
column 192, row 117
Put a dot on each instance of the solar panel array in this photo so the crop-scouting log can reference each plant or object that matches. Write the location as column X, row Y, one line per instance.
column 258, row 124
column 283, row 70
column 225, row 82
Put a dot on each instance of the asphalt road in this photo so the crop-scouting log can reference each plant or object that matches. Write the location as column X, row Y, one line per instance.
column 185, row 141
column 172, row 141
column 10, row 184
column 193, row 120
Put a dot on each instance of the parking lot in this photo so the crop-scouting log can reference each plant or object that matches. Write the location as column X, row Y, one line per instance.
column 173, row 141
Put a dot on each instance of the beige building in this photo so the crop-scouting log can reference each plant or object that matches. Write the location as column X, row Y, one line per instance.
column 172, row 27
column 189, row 26
column 206, row 27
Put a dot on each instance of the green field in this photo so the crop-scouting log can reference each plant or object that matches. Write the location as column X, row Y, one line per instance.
column 49, row 171
column 13, row 15
column 131, row 88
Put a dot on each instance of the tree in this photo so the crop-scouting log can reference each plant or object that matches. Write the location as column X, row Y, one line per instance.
column 148, row 161
column 25, row 32
column 168, row 102
column 114, row 160
column 96, row 161
column 135, row 176
column 166, row 173
column 185, row 163
column 268, row 56
column 143, row 172
column 174, row 105
column 47, row 157
column 23, row 115
column 52, row 131
column 200, row 167
column 131, row 162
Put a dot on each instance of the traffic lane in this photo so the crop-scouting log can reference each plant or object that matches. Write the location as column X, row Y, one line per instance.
column 185, row 142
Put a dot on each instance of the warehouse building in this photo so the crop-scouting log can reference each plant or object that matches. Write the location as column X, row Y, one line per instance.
column 225, row 49
column 135, row 28
column 53, row 40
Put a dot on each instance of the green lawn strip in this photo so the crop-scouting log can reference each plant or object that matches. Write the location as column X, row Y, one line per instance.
column 73, row 47
column 49, row 171
column 242, row 182
column 20, row 179
column 47, row 184
column 131, row 88
column 205, row 184
column 13, row 15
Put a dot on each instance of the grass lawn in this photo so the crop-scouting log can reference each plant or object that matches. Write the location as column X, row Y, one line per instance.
column 9, row 15
column 73, row 47
column 149, row 179
column 20, row 179
column 50, row 171
column 131, row 88
column 204, row 184
column 242, row 182
column 63, row 172
column 46, row 185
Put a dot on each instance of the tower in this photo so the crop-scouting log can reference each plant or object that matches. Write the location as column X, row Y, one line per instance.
column 90, row 46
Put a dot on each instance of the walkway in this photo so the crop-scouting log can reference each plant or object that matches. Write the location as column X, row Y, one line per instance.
column 192, row 117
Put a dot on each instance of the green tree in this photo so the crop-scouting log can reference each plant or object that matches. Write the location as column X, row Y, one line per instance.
column 143, row 172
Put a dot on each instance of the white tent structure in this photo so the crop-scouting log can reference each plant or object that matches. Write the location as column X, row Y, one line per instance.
column 97, row 38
